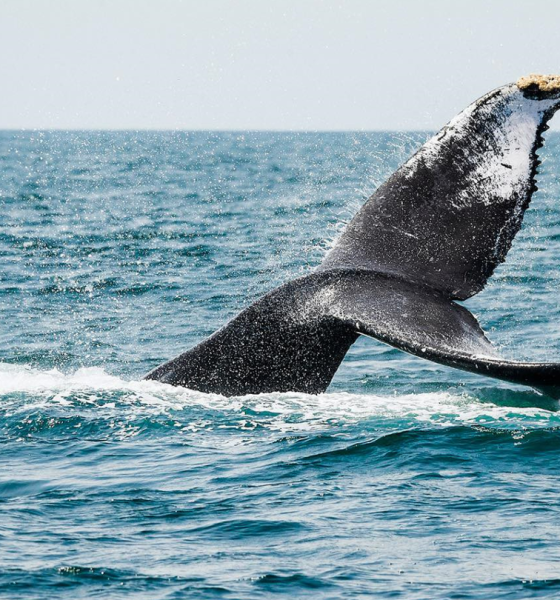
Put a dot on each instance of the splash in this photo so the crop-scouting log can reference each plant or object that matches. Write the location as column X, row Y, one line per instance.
column 92, row 393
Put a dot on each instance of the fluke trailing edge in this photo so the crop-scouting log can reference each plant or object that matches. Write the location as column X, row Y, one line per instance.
column 433, row 233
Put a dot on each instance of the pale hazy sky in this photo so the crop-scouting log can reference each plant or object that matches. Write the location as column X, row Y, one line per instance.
column 263, row 64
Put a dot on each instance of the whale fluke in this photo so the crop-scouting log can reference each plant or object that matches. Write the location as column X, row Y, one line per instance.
column 432, row 234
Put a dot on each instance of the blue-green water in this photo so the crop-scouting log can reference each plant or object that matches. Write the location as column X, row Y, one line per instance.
column 406, row 479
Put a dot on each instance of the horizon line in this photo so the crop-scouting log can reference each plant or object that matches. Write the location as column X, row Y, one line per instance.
column 200, row 130
column 186, row 130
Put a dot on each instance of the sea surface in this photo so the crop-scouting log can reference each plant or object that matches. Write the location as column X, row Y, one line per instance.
column 118, row 251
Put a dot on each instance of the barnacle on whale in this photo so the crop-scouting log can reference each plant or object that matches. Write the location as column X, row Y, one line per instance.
column 541, row 83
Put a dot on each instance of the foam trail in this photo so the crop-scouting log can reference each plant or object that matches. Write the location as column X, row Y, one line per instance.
column 24, row 389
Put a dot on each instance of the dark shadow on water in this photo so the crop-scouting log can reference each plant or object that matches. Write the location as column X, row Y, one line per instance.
column 518, row 398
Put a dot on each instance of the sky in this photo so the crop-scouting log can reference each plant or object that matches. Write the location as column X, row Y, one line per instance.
column 264, row 64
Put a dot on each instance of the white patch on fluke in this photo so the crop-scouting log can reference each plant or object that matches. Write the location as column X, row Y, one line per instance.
column 505, row 171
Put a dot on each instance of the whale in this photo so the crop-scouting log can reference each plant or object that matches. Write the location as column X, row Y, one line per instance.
column 428, row 238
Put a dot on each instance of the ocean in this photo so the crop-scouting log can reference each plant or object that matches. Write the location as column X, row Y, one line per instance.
column 119, row 250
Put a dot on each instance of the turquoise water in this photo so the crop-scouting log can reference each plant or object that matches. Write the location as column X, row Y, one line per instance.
column 406, row 479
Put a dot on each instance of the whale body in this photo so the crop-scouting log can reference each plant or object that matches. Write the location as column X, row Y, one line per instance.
column 432, row 234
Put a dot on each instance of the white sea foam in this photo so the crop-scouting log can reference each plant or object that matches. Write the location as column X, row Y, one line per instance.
column 24, row 389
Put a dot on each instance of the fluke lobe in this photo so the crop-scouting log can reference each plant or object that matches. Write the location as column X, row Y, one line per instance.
column 432, row 233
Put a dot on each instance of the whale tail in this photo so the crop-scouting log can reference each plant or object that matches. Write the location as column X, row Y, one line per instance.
column 432, row 234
